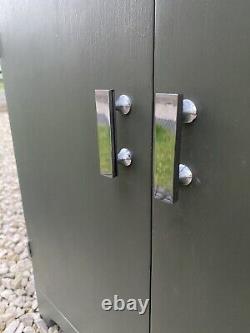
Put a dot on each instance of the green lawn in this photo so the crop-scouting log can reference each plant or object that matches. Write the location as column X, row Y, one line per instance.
column 164, row 154
column 164, row 150
column 105, row 153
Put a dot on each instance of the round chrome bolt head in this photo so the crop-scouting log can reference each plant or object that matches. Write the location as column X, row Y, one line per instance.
column 189, row 112
column 124, row 157
column 185, row 175
column 123, row 104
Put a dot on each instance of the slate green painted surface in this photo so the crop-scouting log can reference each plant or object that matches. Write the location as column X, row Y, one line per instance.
column 90, row 235
column 1, row 85
column 100, row 233
column 201, row 245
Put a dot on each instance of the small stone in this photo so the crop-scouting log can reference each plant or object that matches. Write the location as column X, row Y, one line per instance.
column 3, row 269
column 6, row 317
column 12, row 230
column 19, row 301
column 11, row 327
column 29, row 329
column 11, row 309
column 20, row 292
column 11, row 297
column 24, row 265
column 25, row 254
column 27, row 319
column 34, row 305
column 53, row 329
column 20, row 328
column 3, row 307
column 16, row 238
column 7, row 283
column 7, row 243
column 6, row 293
column 27, row 305
column 26, row 274
column 19, row 312
column 24, row 282
column 3, row 253
column 13, row 268
column 17, row 283
column 11, row 262
column 30, row 289
column 36, row 316
column 19, row 248
column 41, row 325
column 2, row 326
column 9, row 275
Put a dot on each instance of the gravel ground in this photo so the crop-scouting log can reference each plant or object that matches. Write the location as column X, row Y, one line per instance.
column 18, row 304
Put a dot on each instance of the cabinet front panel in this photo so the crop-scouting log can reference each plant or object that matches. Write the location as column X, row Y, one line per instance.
column 90, row 234
column 201, row 244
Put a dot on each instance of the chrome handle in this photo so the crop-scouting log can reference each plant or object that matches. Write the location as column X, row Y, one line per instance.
column 170, row 111
column 106, row 132
column 105, row 109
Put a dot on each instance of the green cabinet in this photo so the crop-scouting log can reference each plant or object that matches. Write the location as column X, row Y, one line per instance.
column 94, row 237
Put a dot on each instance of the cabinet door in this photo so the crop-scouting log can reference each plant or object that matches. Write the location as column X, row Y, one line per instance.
column 90, row 234
column 201, row 244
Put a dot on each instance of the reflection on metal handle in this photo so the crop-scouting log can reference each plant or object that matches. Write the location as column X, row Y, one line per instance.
column 167, row 126
column 106, row 132
column 105, row 109
column 170, row 111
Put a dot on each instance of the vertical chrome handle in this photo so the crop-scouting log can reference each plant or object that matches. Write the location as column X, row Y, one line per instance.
column 106, row 132
column 170, row 111
column 105, row 109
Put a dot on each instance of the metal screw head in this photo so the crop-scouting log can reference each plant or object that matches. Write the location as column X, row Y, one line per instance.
column 123, row 104
column 189, row 112
column 124, row 157
column 185, row 175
